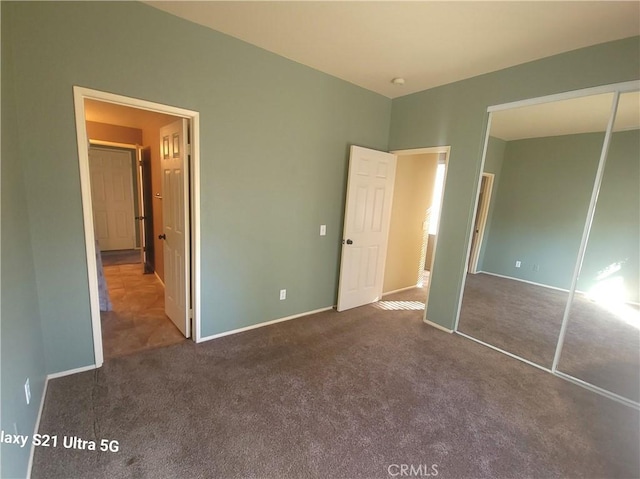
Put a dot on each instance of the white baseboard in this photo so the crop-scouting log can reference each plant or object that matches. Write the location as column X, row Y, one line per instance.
column 632, row 303
column 36, row 427
column 525, row 281
column 70, row 372
column 400, row 290
column 437, row 326
column 260, row 325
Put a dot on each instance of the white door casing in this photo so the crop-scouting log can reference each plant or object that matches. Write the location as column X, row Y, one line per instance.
column 80, row 94
column 366, row 226
column 175, row 211
column 112, row 198
column 480, row 222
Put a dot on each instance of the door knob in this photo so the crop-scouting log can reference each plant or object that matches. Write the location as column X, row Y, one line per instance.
column 349, row 241
column 162, row 236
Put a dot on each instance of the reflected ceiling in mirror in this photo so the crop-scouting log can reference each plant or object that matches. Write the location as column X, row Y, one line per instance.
column 588, row 114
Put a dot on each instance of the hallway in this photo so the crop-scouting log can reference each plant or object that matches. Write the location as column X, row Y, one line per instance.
column 138, row 321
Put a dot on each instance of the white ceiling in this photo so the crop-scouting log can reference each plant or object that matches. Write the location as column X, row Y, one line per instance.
column 427, row 43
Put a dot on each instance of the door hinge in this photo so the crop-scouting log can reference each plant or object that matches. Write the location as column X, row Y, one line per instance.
column 188, row 148
column 190, row 313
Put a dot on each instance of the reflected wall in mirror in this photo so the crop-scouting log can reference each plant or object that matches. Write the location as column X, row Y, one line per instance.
column 544, row 160
column 602, row 341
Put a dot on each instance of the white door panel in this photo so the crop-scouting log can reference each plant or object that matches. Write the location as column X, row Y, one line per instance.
column 366, row 226
column 175, row 212
column 112, row 198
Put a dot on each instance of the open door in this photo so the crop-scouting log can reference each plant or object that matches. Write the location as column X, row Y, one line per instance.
column 175, row 212
column 366, row 226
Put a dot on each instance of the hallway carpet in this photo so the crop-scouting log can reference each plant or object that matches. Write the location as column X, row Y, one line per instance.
column 351, row 395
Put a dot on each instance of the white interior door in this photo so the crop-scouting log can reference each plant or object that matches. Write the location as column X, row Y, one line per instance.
column 112, row 198
column 366, row 226
column 175, row 212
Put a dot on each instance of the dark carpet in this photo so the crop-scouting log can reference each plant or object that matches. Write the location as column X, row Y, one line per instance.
column 334, row 395
column 600, row 347
column 521, row 318
column 117, row 257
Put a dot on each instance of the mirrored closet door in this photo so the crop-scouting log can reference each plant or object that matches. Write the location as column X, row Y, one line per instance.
column 602, row 340
column 537, row 218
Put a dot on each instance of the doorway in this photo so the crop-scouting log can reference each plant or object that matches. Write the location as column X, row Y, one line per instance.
column 415, row 220
column 480, row 222
column 130, row 281
column 132, row 305
column 372, row 193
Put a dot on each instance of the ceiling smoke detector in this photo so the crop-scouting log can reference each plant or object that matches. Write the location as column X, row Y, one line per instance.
column 398, row 81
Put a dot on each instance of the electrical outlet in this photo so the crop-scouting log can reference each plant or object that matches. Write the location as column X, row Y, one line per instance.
column 518, row 264
column 27, row 391
column 283, row 294
column 323, row 230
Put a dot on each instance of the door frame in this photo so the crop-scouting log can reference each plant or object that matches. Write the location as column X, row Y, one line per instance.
column 483, row 210
column 446, row 150
column 79, row 95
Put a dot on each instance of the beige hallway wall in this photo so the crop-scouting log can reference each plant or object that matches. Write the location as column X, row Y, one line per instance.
column 415, row 178
column 151, row 138
column 114, row 133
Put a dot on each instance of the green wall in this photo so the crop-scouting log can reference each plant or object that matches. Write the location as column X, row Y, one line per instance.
column 615, row 231
column 541, row 207
column 21, row 343
column 275, row 137
column 492, row 164
column 456, row 115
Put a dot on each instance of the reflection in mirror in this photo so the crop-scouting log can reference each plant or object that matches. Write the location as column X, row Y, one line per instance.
column 602, row 341
column 542, row 161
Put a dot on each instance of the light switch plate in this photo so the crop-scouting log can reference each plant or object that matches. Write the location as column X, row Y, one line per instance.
column 323, row 230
